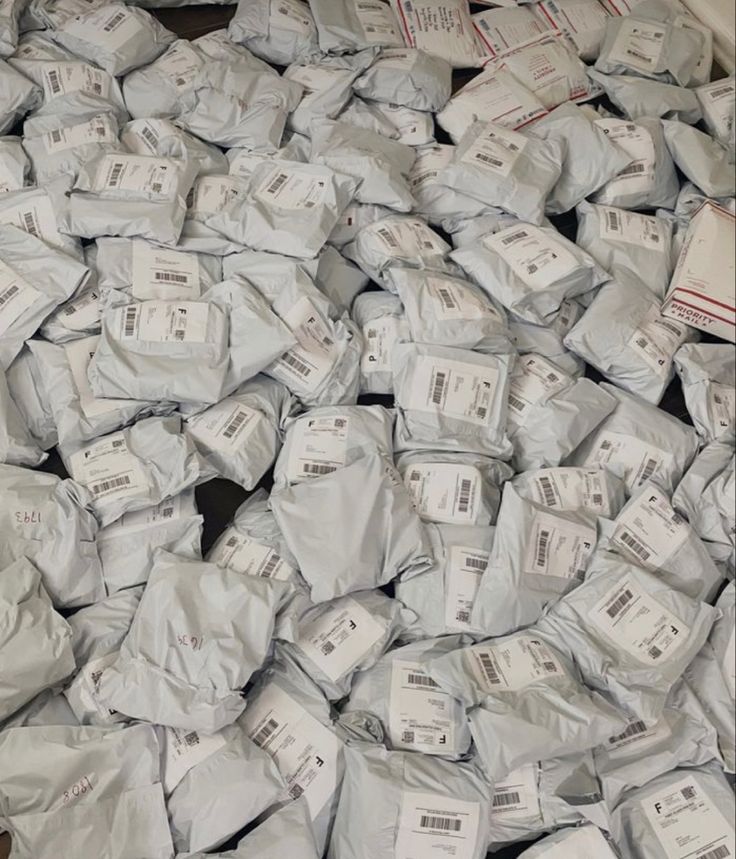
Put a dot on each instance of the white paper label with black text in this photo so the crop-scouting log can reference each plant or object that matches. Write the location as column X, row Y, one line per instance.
column 650, row 530
column 436, row 827
column 558, row 547
column 445, row 492
column 534, row 256
column 421, row 716
column 453, row 388
column 514, row 664
column 163, row 273
column 318, row 446
column 249, row 557
column 463, row 572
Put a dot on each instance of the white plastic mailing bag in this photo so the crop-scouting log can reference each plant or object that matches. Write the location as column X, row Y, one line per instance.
column 216, row 785
column 632, row 634
column 14, row 165
column 443, row 596
column 642, row 441
column 9, row 21
column 573, row 843
column 525, row 702
column 683, row 813
column 453, row 488
column 548, row 340
column 17, row 444
column 407, row 77
column 531, row 270
column 398, row 805
column 220, row 624
column 637, row 97
column 705, row 162
column 582, row 21
column 340, row 640
column 385, row 537
column 416, row 715
column 35, row 644
column 97, row 633
column 538, row 556
column 624, row 335
column 137, row 467
column 708, row 375
column 381, row 319
column 618, row 238
column 550, row 412
column 240, row 435
column 327, row 438
column 39, row 211
column 127, row 546
column 504, row 168
column 48, row 521
column 18, row 95
column 34, row 280
column 354, row 25
column 280, row 31
column 717, row 99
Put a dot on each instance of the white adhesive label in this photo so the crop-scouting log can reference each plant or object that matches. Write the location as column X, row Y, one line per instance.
column 638, row 624
column 139, row 520
column 633, row 228
column 210, row 194
column 291, row 15
column 88, row 687
column 538, row 379
column 452, row 388
column 501, row 29
column 379, row 335
column 517, row 796
column 636, row 737
column 534, row 256
column 657, row 339
column 16, row 296
column 248, row 557
column 108, row 469
column 717, row 100
column 649, row 529
column 572, row 489
column 184, row 750
column 641, row 461
column 687, row 823
column 137, row 173
column 722, row 406
column 64, row 78
column 340, row 638
column 81, row 312
column 226, row 426
column 36, row 217
column 436, row 827
column 288, row 188
column 409, row 238
column 445, row 492
column 464, row 570
column 637, row 143
column 303, row 749
column 452, row 300
column 557, row 547
column 110, row 27
column 180, row 64
column 638, row 44
column 163, row 273
column 586, row 842
column 514, row 664
column 421, row 716
column 428, row 163
column 79, row 353
column 98, row 130
column 164, row 321
column 317, row 446
column 309, row 362
column 378, row 22
column 495, row 150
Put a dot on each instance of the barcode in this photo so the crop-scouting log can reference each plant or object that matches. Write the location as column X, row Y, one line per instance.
column 295, row 791
column 489, row 669
column 431, row 821
column 622, row 600
column 501, row 800
column 191, row 739
column 464, row 500
column 299, row 366
column 655, row 652
column 649, row 469
column 550, row 499
column 8, row 294
column 107, row 485
column 521, row 234
column 131, row 315
column 633, row 729
column 550, row 667
column 29, row 222
column 150, row 136
column 597, row 499
column 264, row 734
column 447, row 299
column 54, row 81
column 488, row 159
column 606, row 445
column 516, row 403
column 421, row 680
column 277, row 183
column 113, row 22
column 476, row 563
column 170, row 277
column 542, row 547
column 56, row 136
column 234, row 425
column 317, row 468
column 717, row 853
column 387, row 236
column 233, row 541
column 636, row 167
column 327, row 648
column 632, row 543
column 462, row 616
column 638, row 54
column 407, row 737
column 717, row 93
column 438, row 388
column 115, row 174
column 271, row 565
column 672, row 327
column 613, row 221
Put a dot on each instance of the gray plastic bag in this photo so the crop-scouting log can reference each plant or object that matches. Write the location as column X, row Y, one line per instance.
column 708, row 375
column 702, row 159
column 407, row 77
column 383, row 325
column 280, row 32
column 18, row 95
column 717, row 101
column 400, row 804
column 49, row 521
column 39, row 211
column 355, row 25
column 36, row 642
column 14, row 165
column 17, row 444
column 218, row 621
column 451, row 399
column 636, row 97
column 574, row 843
column 385, row 539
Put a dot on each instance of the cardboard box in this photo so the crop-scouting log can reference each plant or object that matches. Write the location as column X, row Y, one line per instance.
column 702, row 291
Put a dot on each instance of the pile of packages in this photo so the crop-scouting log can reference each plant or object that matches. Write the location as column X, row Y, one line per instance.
column 487, row 596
